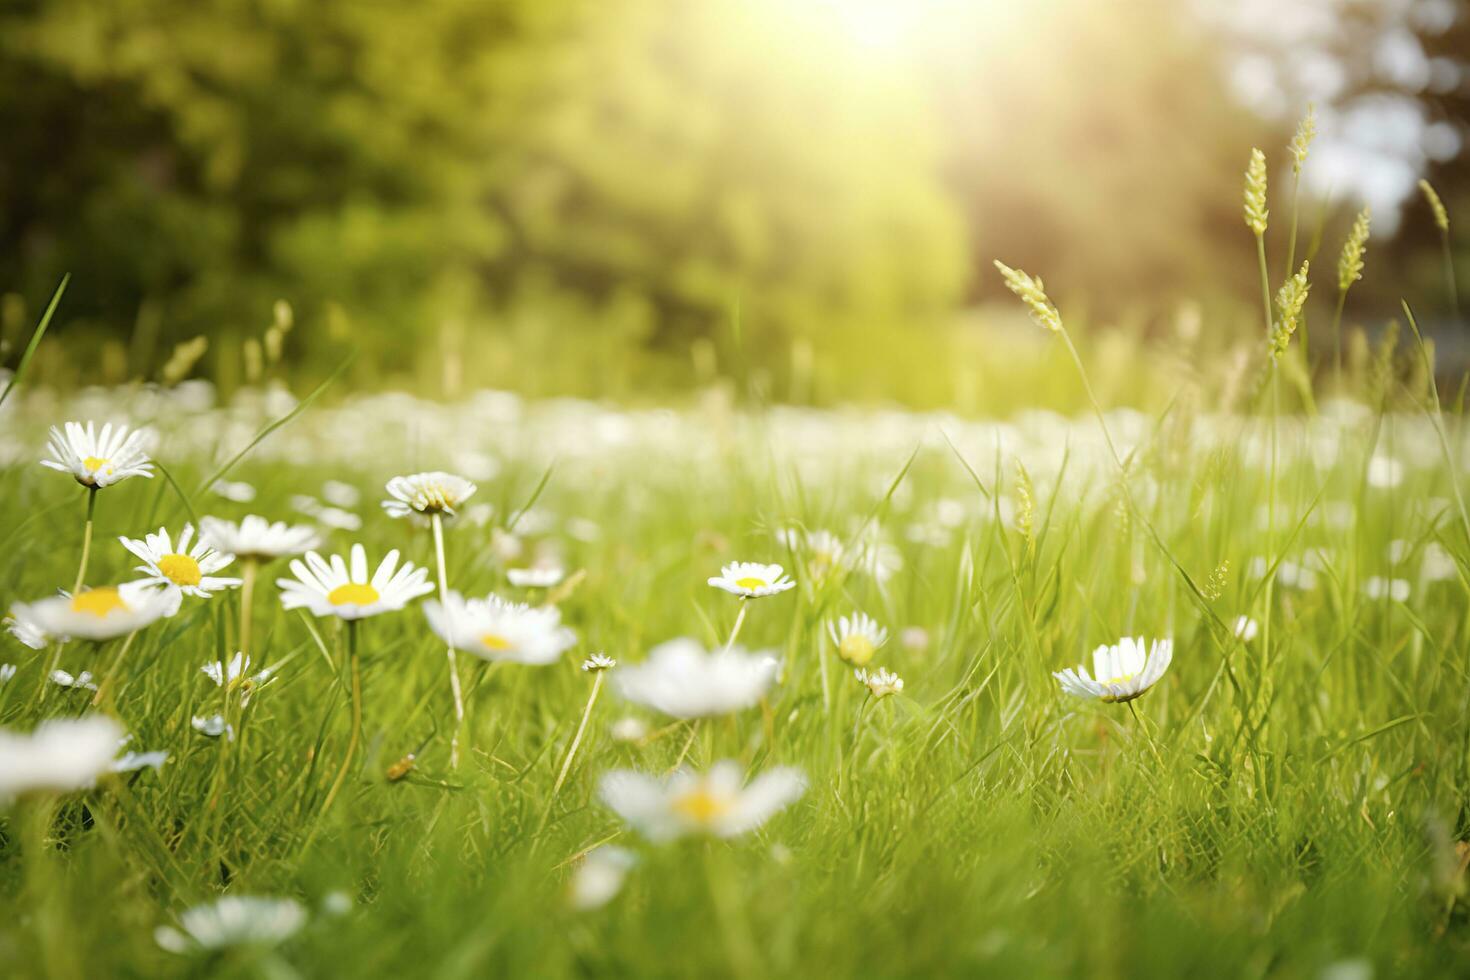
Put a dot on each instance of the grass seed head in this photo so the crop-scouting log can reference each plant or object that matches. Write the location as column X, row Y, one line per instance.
column 1255, row 193
column 1350, row 264
column 1033, row 293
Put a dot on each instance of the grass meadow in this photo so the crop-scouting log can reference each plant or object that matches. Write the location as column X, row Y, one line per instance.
column 398, row 783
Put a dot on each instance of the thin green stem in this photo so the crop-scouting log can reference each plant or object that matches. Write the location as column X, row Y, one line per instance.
column 1296, row 182
column 86, row 540
column 105, row 687
column 739, row 621
column 566, row 766
column 1337, row 337
column 248, row 569
column 1265, row 281
column 356, row 718
column 1449, row 271
column 438, row 524
column 738, row 943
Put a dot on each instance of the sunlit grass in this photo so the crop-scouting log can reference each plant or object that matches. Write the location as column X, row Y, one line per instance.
column 1267, row 810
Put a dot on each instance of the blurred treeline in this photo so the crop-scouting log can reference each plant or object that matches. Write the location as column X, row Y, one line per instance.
column 608, row 196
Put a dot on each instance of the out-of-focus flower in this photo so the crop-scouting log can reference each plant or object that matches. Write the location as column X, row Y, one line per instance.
column 880, row 683
column 535, row 577
column 98, row 614
column 1396, row 589
column 857, row 638
column 213, row 726
column 495, row 629
column 1385, row 472
column 235, row 920
column 61, row 755
column 688, row 802
column 81, row 682
column 256, row 539
column 340, row 494
column 629, row 729
column 25, row 629
column 238, row 492
column 1245, row 628
column 681, row 679
column 599, row 877
column 598, row 661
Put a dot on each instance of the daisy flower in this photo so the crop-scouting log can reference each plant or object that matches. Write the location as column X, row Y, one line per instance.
column 680, row 679
column 752, row 580
column 61, row 755
column 95, row 459
column 336, row 588
column 256, row 539
column 235, row 920
column 496, row 629
column 824, row 551
column 598, row 661
column 1122, row 672
column 881, row 682
column 97, row 614
column 427, row 494
column 25, row 629
column 181, row 570
column 81, row 682
column 213, row 726
column 236, row 673
column 857, row 637
column 687, row 802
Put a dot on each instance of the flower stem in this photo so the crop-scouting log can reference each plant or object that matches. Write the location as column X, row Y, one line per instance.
column 576, row 739
column 86, row 540
column 1147, row 735
column 684, row 752
column 356, row 717
column 438, row 523
column 739, row 621
column 738, row 944
column 104, row 688
column 247, row 596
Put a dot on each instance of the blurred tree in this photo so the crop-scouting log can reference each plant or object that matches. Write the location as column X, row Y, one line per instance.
column 486, row 163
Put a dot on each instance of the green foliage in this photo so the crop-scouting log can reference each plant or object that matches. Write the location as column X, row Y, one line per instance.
column 397, row 168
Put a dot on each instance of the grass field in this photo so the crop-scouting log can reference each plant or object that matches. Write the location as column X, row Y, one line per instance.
column 1287, row 801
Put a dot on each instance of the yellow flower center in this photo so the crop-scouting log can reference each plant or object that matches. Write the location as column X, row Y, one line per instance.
column 700, row 805
column 353, row 594
column 180, row 569
column 494, row 641
column 1122, row 679
column 98, row 602
column 751, row 583
column 93, row 464
column 856, row 649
